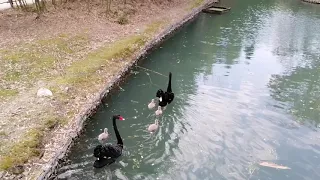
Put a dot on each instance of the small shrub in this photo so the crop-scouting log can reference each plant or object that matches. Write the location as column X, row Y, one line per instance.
column 51, row 123
column 123, row 20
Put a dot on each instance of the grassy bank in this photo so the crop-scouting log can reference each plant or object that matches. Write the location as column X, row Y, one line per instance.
column 83, row 73
column 195, row 3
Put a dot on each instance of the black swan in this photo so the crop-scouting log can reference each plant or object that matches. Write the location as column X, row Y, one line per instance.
column 107, row 154
column 165, row 97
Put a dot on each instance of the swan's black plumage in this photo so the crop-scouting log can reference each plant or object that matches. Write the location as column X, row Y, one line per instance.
column 107, row 154
column 168, row 96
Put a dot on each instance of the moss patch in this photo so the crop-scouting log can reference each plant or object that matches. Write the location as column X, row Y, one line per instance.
column 154, row 27
column 51, row 123
column 12, row 76
column 8, row 92
column 30, row 146
column 3, row 134
column 22, row 151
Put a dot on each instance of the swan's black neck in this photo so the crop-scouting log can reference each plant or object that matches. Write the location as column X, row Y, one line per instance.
column 117, row 132
column 169, row 83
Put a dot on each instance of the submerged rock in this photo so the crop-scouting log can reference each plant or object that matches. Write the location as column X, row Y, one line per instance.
column 68, row 174
column 43, row 92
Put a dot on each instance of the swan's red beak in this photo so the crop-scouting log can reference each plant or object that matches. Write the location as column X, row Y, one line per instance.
column 121, row 118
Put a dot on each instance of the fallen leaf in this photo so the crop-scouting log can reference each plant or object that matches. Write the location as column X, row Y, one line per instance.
column 273, row 165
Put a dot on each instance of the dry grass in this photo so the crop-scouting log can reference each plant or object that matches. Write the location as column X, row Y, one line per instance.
column 80, row 72
column 83, row 73
column 2, row 133
column 23, row 150
column 195, row 3
column 24, row 64
column 30, row 144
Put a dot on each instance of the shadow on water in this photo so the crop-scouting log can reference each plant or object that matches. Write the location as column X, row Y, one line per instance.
column 243, row 83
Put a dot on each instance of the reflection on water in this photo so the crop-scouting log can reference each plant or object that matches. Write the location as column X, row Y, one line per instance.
column 246, row 86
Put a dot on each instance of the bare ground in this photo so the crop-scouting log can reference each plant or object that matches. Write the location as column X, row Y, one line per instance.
column 73, row 52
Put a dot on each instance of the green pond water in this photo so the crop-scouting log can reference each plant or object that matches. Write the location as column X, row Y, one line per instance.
column 247, row 90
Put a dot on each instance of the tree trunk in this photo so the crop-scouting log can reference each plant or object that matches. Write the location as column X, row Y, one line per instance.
column 11, row 3
column 88, row 5
column 108, row 8
column 43, row 6
column 54, row 3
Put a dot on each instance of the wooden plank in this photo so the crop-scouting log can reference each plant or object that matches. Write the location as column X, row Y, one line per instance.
column 216, row 9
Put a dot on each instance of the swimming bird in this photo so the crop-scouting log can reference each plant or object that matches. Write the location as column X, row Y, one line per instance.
column 103, row 137
column 165, row 97
column 107, row 154
column 159, row 111
column 152, row 104
column 153, row 127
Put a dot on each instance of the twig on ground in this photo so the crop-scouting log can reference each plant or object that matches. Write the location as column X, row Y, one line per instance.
column 151, row 70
